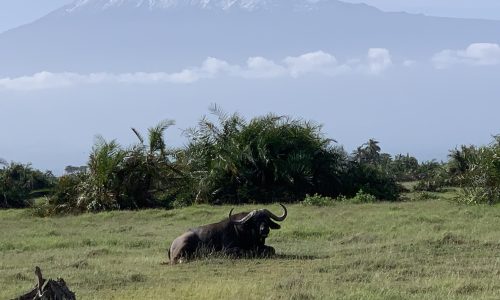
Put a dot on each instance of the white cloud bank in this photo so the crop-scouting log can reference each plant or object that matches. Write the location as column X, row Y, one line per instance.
column 313, row 62
column 478, row 54
column 376, row 61
column 379, row 59
column 319, row 62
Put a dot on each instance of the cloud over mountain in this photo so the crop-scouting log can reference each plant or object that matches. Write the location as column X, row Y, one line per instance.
column 477, row 54
column 319, row 63
column 379, row 59
column 314, row 62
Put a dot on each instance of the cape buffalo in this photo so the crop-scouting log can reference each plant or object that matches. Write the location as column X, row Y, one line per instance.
column 242, row 234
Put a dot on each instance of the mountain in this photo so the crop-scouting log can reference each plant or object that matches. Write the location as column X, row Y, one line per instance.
column 167, row 35
column 249, row 5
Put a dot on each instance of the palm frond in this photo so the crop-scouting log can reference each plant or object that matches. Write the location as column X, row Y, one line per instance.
column 156, row 137
column 138, row 135
column 218, row 112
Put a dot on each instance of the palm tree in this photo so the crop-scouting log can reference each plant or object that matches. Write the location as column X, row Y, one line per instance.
column 373, row 147
column 157, row 145
column 101, row 188
column 368, row 152
column 150, row 169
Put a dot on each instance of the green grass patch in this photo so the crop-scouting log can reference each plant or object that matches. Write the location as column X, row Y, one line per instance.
column 426, row 249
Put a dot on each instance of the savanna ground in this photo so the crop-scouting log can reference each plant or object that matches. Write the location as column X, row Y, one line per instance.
column 432, row 249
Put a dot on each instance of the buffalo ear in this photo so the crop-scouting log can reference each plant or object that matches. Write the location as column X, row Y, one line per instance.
column 273, row 225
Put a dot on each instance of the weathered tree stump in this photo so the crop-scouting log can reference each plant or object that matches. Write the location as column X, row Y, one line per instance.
column 48, row 289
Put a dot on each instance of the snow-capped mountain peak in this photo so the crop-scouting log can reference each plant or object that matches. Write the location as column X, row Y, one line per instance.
column 249, row 5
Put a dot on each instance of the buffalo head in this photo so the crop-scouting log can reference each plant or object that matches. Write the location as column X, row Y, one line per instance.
column 258, row 222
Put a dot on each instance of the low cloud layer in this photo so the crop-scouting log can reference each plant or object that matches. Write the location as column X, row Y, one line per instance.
column 376, row 61
column 478, row 54
column 319, row 63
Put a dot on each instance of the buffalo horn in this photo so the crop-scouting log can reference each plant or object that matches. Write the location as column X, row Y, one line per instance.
column 245, row 218
column 274, row 217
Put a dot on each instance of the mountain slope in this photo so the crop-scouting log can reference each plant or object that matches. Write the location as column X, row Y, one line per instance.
column 85, row 5
column 156, row 35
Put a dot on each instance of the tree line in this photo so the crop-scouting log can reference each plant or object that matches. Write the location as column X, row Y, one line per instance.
column 231, row 160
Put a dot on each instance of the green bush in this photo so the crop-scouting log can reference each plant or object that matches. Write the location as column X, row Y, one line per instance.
column 269, row 159
column 317, row 200
column 19, row 184
column 404, row 168
column 140, row 176
column 363, row 197
column 66, row 190
column 481, row 179
column 434, row 179
column 372, row 179
column 100, row 190
column 65, row 195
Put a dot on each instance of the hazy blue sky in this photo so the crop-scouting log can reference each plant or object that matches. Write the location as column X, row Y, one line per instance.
column 485, row 9
column 413, row 99
column 14, row 13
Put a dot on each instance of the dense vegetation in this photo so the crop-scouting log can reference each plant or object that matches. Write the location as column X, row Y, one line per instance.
column 478, row 172
column 231, row 160
column 139, row 176
column 273, row 158
column 19, row 184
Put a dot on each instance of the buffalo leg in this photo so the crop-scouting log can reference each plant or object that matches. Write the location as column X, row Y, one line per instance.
column 266, row 251
column 235, row 252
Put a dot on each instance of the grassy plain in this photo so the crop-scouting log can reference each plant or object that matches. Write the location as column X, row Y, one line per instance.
column 431, row 249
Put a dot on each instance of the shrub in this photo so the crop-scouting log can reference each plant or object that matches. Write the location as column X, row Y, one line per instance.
column 434, row 179
column 271, row 158
column 372, row 179
column 404, row 168
column 101, row 188
column 481, row 179
column 317, row 200
column 65, row 195
column 363, row 197
column 19, row 184
column 140, row 176
column 277, row 158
